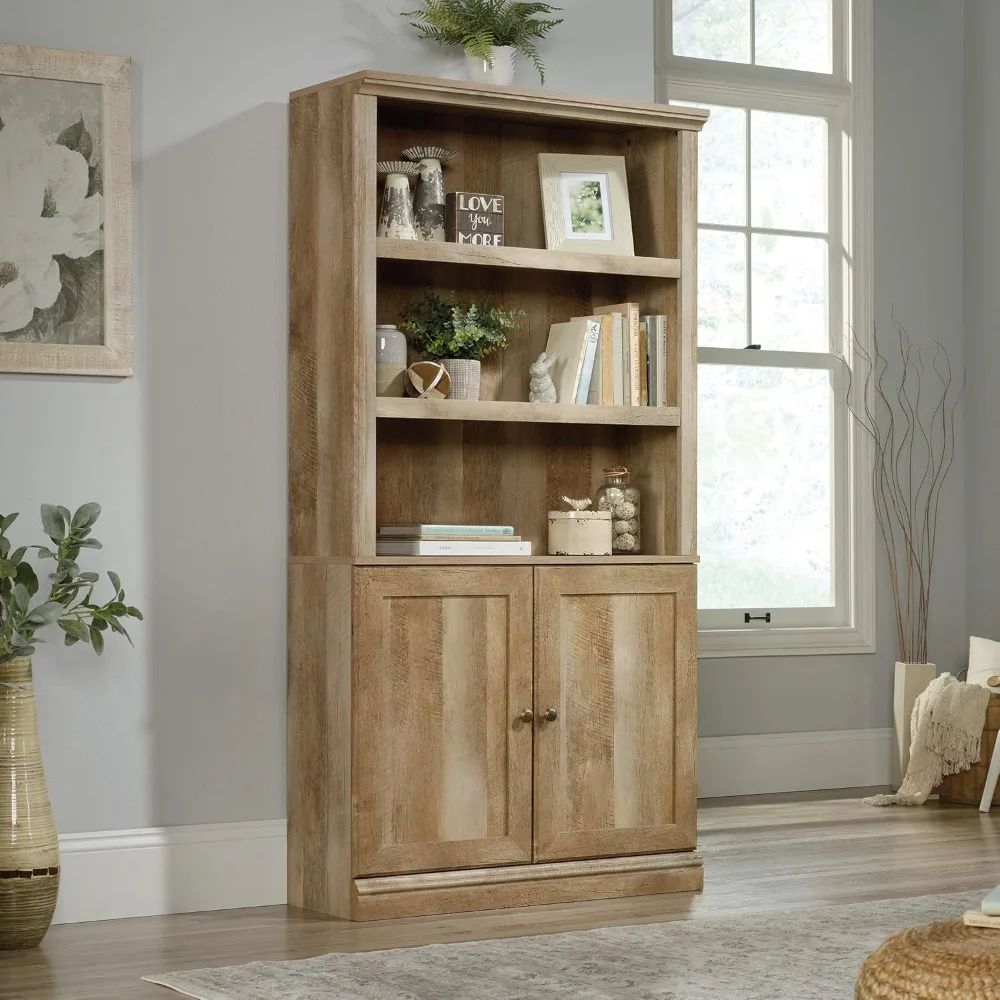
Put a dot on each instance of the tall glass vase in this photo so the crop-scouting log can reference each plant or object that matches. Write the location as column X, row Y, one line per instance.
column 29, row 847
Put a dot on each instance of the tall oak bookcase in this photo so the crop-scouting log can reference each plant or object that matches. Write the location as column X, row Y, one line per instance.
column 472, row 733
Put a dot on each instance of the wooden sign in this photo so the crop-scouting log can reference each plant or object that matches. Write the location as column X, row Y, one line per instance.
column 474, row 219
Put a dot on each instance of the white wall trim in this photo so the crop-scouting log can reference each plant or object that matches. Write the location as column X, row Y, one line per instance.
column 793, row 762
column 138, row 873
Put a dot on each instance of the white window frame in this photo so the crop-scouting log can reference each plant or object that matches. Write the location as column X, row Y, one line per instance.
column 844, row 98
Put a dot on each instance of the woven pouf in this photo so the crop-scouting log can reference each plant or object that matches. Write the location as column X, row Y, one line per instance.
column 946, row 961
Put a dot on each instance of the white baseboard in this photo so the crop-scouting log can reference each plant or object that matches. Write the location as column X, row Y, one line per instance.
column 138, row 873
column 184, row 869
column 794, row 762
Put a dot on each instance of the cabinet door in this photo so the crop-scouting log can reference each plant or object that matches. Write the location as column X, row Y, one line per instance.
column 441, row 759
column 615, row 658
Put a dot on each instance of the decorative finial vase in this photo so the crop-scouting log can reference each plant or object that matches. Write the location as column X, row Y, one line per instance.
column 428, row 202
column 29, row 847
column 396, row 219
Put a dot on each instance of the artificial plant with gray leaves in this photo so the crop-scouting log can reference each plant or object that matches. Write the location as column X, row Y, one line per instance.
column 69, row 603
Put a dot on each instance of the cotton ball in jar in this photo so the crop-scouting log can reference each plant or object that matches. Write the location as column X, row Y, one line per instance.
column 604, row 504
column 623, row 527
column 631, row 494
column 625, row 510
column 625, row 543
column 614, row 495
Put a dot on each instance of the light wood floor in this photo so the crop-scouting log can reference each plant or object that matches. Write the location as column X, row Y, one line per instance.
column 760, row 854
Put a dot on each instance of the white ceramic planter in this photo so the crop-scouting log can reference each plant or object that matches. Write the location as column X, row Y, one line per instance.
column 909, row 682
column 500, row 70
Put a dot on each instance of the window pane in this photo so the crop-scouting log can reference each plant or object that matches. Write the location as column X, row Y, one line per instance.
column 722, row 168
column 794, row 34
column 789, row 288
column 765, row 459
column 712, row 29
column 722, row 289
column 788, row 165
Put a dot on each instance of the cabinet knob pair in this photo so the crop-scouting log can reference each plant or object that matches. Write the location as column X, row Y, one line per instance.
column 549, row 715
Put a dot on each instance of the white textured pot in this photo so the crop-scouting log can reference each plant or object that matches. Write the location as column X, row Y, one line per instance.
column 500, row 70
column 465, row 377
column 910, row 681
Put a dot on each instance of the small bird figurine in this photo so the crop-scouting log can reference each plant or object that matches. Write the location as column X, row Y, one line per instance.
column 578, row 504
column 542, row 389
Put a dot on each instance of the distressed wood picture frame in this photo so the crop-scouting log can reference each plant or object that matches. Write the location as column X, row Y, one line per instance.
column 65, row 225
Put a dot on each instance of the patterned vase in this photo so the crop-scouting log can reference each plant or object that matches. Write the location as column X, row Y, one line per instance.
column 428, row 202
column 396, row 219
column 465, row 377
column 29, row 847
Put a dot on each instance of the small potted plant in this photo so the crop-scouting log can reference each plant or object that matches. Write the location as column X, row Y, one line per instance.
column 459, row 333
column 492, row 32
column 28, row 842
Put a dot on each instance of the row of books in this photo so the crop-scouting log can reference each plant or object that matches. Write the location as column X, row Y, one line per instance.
column 450, row 540
column 614, row 358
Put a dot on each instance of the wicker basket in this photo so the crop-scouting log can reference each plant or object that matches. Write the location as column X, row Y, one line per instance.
column 967, row 788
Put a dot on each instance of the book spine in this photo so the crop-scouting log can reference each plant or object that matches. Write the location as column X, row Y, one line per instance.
column 635, row 372
column 661, row 360
column 618, row 360
column 589, row 356
column 654, row 338
column 391, row 530
column 607, row 361
column 643, row 365
column 497, row 548
column 597, row 377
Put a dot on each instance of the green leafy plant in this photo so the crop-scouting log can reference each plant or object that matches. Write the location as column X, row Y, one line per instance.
column 481, row 25
column 69, row 603
column 446, row 327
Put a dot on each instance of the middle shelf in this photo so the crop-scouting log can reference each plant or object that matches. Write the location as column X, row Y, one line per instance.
column 504, row 411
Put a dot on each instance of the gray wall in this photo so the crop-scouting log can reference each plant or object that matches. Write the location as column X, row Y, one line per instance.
column 188, row 457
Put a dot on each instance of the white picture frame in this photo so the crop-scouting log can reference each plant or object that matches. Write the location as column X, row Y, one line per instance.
column 585, row 203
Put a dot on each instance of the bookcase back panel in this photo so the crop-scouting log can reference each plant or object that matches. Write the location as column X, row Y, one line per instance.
column 494, row 473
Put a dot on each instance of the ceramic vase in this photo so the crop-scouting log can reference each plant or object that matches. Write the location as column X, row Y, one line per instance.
column 909, row 682
column 29, row 847
column 428, row 201
column 396, row 219
column 499, row 69
column 465, row 377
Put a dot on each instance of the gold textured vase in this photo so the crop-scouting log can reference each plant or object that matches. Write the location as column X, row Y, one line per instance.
column 29, row 847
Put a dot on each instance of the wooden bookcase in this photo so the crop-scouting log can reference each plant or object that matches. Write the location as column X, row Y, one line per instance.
column 413, row 786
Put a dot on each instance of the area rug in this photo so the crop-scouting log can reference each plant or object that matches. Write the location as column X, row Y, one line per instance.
column 812, row 954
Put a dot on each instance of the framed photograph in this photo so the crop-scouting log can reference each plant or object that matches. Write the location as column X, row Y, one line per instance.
column 65, row 212
column 585, row 201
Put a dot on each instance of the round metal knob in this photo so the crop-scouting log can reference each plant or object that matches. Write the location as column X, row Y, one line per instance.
column 527, row 715
column 550, row 715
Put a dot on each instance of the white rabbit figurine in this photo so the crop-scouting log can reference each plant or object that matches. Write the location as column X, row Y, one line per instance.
column 542, row 389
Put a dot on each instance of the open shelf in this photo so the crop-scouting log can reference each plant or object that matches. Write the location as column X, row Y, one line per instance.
column 504, row 411
column 524, row 560
column 528, row 257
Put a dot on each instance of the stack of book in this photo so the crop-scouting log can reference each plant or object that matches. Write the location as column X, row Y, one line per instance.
column 449, row 540
column 613, row 358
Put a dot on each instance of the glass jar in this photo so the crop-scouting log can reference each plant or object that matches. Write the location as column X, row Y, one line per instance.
column 390, row 361
column 624, row 502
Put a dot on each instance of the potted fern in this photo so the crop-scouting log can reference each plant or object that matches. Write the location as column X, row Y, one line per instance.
column 459, row 334
column 492, row 32
column 29, row 847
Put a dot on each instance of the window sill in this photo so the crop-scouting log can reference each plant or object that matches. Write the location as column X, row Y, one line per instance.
column 737, row 643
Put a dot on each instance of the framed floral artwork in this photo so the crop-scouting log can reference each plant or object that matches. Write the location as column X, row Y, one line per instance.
column 65, row 212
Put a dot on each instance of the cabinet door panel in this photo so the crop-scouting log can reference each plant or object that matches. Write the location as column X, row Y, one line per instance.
column 615, row 657
column 442, row 764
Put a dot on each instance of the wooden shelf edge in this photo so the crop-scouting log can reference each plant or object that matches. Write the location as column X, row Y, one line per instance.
column 528, row 258
column 503, row 411
column 681, row 560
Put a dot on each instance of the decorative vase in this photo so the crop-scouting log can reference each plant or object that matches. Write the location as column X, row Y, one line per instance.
column 499, row 69
column 29, row 847
column 390, row 361
column 625, row 504
column 465, row 377
column 428, row 201
column 909, row 682
column 396, row 219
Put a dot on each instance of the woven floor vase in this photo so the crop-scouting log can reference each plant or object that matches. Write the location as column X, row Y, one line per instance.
column 946, row 961
column 465, row 377
column 29, row 848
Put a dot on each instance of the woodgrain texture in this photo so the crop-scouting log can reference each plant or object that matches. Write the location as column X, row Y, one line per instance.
column 526, row 257
column 114, row 76
column 318, row 737
column 442, row 761
column 525, row 885
column 331, row 319
column 507, row 411
column 615, row 657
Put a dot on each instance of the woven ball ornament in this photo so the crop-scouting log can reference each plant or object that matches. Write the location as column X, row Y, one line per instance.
column 427, row 380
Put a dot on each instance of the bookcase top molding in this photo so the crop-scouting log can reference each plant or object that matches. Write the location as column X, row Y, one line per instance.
column 515, row 101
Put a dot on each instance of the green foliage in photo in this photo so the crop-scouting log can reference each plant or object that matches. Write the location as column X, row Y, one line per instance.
column 448, row 327
column 586, row 207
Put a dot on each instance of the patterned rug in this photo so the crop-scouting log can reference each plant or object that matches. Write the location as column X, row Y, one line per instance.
column 791, row 955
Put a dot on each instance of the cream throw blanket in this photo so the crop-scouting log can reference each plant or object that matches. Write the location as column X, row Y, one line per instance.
column 945, row 731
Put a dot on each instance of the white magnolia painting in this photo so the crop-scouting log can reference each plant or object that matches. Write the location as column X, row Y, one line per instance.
column 65, row 212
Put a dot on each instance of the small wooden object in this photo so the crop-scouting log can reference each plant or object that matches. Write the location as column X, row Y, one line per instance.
column 427, row 380
column 475, row 219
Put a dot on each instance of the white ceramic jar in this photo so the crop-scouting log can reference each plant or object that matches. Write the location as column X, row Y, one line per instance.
column 579, row 532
